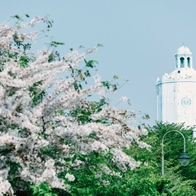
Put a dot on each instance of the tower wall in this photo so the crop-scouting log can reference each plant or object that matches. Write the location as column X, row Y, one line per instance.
column 176, row 102
column 176, row 92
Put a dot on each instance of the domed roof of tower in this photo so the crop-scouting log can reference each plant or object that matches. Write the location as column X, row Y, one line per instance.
column 183, row 50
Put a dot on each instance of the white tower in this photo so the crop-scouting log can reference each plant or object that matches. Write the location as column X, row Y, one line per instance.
column 176, row 92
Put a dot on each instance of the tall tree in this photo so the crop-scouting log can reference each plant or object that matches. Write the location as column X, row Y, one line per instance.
column 178, row 180
column 49, row 130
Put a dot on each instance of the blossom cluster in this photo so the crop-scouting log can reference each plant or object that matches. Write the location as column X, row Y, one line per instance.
column 5, row 187
column 31, row 123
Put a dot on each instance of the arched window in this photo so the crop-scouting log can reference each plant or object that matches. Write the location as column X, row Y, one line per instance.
column 188, row 62
column 181, row 62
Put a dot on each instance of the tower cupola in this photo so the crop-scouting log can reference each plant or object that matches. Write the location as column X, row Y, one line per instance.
column 184, row 58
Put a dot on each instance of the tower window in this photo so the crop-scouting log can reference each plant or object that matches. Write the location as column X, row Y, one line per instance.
column 188, row 62
column 181, row 62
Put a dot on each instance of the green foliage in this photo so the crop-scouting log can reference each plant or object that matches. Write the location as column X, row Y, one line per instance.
column 14, row 167
column 178, row 180
column 55, row 44
column 90, row 63
column 19, row 43
column 52, row 152
column 106, row 84
column 42, row 189
column 90, row 180
column 115, row 77
column 18, row 17
column 145, row 180
column 83, row 113
column 35, row 93
column 109, row 85
column 24, row 60
column 82, row 74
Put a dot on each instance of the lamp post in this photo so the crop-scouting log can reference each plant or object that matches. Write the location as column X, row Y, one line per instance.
column 184, row 158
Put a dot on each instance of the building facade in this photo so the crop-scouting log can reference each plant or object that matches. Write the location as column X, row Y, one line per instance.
column 176, row 92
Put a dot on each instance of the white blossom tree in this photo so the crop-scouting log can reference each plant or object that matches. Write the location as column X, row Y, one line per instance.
column 47, row 124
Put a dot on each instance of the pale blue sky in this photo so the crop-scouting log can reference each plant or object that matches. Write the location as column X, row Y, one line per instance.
column 140, row 38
